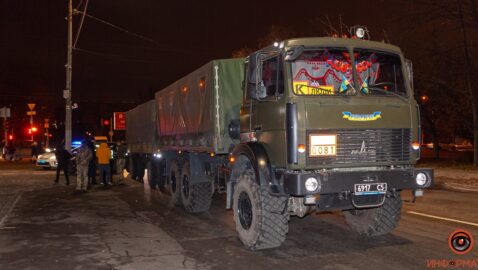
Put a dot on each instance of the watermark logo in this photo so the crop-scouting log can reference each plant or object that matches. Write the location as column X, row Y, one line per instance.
column 460, row 241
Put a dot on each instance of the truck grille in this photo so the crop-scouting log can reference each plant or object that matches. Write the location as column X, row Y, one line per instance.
column 365, row 146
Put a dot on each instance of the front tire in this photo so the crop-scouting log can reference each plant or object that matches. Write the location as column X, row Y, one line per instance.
column 376, row 221
column 260, row 218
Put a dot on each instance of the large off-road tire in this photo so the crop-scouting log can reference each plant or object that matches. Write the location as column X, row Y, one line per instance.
column 152, row 170
column 375, row 221
column 140, row 169
column 131, row 167
column 162, row 179
column 196, row 197
column 261, row 219
column 174, row 183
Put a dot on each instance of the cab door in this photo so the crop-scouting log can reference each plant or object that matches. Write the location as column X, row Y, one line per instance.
column 248, row 116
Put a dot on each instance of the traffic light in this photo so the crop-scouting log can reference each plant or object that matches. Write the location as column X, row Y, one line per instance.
column 106, row 122
column 34, row 129
column 10, row 137
column 29, row 131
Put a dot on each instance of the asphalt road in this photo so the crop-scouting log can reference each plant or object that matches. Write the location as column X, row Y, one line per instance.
column 131, row 227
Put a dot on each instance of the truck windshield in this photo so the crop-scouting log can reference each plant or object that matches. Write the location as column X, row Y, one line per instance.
column 329, row 72
column 379, row 73
column 323, row 72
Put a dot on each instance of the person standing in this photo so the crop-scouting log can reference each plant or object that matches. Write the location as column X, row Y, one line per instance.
column 10, row 152
column 92, row 164
column 83, row 157
column 121, row 160
column 34, row 148
column 104, row 155
column 63, row 161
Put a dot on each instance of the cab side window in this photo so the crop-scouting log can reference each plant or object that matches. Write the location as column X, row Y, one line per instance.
column 273, row 76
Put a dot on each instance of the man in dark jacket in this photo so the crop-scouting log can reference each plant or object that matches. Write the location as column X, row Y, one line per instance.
column 63, row 162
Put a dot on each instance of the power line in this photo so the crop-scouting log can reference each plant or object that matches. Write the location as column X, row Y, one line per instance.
column 121, row 29
column 81, row 24
column 117, row 27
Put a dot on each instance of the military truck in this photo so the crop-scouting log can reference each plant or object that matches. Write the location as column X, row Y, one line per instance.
column 309, row 124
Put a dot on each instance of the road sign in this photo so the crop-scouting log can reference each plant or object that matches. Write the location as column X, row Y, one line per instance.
column 31, row 106
column 5, row 112
column 32, row 113
column 119, row 122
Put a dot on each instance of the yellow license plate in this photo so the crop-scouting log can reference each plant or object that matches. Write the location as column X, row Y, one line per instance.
column 322, row 145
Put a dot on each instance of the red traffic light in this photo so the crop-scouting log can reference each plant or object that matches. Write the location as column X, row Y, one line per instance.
column 29, row 131
column 10, row 137
column 34, row 129
column 106, row 122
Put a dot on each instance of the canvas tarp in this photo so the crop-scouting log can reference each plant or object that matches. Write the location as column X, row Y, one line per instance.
column 194, row 112
column 141, row 125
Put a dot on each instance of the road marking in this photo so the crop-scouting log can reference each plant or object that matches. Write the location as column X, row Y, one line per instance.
column 443, row 218
column 4, row 218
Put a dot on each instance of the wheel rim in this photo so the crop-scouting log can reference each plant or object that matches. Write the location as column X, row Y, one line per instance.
column 245, row 210
column 185, row 186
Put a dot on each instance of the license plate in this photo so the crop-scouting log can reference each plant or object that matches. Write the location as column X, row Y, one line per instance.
column 322, row 145
column 322, row 150
column 370, row 189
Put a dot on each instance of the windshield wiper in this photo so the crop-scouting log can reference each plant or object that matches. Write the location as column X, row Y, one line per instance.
column 386, row 92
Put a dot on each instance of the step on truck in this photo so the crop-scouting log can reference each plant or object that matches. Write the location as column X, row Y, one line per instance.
column 310, row 124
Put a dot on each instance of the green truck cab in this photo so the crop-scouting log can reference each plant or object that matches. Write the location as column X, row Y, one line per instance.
column 311, row 124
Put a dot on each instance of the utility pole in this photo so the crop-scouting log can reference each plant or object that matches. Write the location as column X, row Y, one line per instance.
column 67, row 91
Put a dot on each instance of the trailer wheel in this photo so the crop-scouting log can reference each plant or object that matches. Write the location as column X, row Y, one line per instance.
column 161, row 167
column 261, row 221
column 196, row 197
column 375, row 221
column 174, row 186
column 131, row 167
column 152, row 174
column 140, row 166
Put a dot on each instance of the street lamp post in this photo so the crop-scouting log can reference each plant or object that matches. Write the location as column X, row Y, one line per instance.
column 67, row 91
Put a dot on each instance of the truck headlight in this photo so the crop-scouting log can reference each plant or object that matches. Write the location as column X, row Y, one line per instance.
column 311, row 184
column 421, row 179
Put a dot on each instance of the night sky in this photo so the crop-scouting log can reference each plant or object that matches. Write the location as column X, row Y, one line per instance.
column 113, row 70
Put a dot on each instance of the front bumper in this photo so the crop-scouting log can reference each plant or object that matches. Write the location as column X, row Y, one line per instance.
column 332, row 181
column 46, row 163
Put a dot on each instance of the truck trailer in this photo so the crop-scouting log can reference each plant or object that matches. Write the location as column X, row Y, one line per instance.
column 309, row 124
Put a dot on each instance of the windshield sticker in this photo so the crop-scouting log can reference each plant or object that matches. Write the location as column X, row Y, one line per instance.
column 303, row 88
column 365, row 86
column 362, row 117
column 345, row 84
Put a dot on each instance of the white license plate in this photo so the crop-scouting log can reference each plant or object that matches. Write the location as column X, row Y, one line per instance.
column 322, row 145
column 370, row 189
